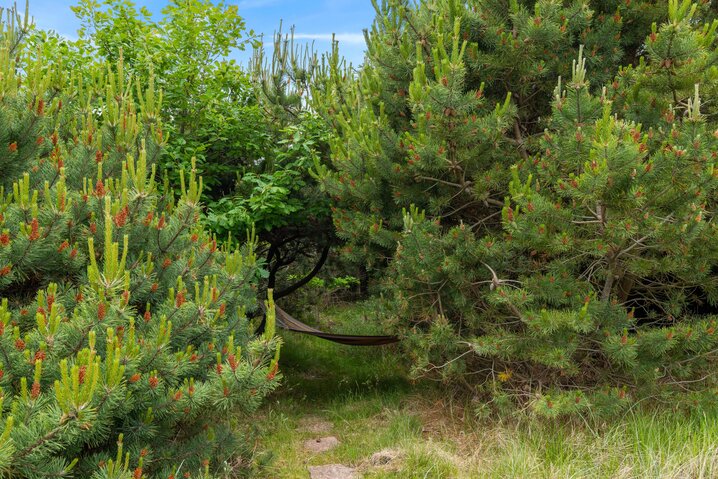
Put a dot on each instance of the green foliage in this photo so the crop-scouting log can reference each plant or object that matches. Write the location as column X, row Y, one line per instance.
column 208, row 103
column 552, row 242
column 450, row 96
column 333, row 284
column 252, row 136
column 279, row 191
column 613, row 223
column 124, row 343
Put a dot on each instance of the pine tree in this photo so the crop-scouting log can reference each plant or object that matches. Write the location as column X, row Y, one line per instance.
column 678, row 56
column 540, row 238
column 451, row 94
column 124, row 343
column 613, row 228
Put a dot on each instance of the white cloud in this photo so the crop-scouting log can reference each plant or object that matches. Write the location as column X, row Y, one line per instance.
column 346, row 38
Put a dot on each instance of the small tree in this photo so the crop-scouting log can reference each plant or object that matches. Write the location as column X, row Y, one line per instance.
column 124, row 343
column 548, row 239
column 605, row 267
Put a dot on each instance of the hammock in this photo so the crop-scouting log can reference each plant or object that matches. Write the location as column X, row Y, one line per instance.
column 285, row 321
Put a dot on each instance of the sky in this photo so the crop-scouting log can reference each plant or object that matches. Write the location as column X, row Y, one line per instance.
column 314, row 20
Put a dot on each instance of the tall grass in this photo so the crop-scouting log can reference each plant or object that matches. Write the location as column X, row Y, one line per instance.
column 640, row 445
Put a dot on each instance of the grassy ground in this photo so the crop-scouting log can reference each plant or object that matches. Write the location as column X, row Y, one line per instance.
column 362, row 397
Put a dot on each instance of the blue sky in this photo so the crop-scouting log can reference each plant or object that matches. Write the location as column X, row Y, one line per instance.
column 314, row 20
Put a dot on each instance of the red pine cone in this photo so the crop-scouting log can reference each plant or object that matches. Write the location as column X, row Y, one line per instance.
column 35, row 391
column 34, row 230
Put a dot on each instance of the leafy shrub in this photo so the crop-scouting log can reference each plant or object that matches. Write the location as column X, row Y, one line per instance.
column 279, row 191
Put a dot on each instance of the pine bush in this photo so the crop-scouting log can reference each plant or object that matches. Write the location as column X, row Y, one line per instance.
column 124, row 344
column 534, row 182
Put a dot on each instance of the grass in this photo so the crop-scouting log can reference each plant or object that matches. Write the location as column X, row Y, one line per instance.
column 363, row 397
